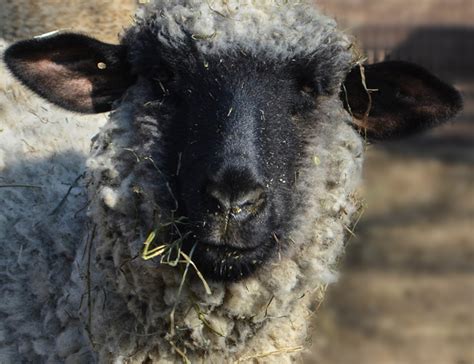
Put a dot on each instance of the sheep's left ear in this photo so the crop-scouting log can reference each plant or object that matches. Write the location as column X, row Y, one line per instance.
column 394, row 99
column 73, row 71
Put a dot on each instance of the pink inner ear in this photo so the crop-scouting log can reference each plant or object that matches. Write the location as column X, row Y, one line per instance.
column 64, row 83
column 68, row 70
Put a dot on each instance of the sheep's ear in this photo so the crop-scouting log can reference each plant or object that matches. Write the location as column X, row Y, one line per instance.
column 394, row 99
column 73, row 71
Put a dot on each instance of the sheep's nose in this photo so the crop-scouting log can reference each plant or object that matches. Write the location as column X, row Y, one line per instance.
column 237, row 204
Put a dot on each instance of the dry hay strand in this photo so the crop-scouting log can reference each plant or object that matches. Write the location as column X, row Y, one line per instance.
column 171, row 254
column 281, row 351
column 20, row 186
column 205, row 321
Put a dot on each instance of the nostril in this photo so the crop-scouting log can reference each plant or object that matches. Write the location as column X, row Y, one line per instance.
column 250, row 198
column 234, row 201
column 215, row 194
column 249, row 202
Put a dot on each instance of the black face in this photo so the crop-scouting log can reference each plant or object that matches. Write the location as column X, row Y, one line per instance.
column 230, row 130
column 236, row 142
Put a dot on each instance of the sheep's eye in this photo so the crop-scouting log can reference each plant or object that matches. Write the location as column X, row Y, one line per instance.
column 313, row 89
column 162, row 73
column 304, row 104
column 307, row 89
column 163, row 78
column 307, row 96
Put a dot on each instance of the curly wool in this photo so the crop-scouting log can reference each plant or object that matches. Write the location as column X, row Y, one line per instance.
column 42, row 152
column 240, row 319
column 119, row 306
column 278, row 28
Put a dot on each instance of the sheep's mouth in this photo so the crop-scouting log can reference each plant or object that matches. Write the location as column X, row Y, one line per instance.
column 230, row 250
column 207, row 245
column 229, row 263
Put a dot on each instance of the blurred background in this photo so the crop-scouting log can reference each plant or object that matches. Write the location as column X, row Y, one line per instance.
column 406, row 293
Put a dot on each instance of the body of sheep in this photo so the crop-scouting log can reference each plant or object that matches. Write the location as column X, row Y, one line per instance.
column 43, row 151
column 73, row 298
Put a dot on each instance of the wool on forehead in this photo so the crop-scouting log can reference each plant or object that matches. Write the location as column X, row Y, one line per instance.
column 282, row 29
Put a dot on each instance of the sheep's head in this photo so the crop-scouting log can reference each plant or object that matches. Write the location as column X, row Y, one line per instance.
column 236, row 117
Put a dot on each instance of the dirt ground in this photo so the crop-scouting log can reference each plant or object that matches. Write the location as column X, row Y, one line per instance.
column 21, row 19
column 407, row 290
column 406, row 295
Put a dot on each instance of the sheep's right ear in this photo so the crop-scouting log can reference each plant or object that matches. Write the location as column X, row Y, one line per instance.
column 73, row 71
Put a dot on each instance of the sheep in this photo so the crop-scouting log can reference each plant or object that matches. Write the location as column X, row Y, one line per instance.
column 219, row 192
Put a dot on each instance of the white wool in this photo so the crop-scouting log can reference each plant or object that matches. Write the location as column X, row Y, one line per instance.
column 77, row 293
column 42, row 152
column 279, row 28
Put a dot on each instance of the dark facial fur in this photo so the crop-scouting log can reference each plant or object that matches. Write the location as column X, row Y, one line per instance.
column 233, row 147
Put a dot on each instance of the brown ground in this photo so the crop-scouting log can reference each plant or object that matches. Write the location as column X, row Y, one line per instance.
column 21, row 19
column 407, row 291
column 355, row 13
